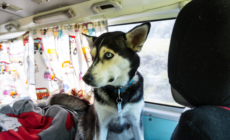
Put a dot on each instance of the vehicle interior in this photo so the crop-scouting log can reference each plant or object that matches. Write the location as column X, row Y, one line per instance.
column 22, row 21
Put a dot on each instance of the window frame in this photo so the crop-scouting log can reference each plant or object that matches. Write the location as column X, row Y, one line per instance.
column 140, row 22
column 154, row 104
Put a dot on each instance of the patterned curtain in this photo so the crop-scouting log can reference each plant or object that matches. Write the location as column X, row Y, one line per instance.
column 47, row 61
column 62, row 56
column 13, row 69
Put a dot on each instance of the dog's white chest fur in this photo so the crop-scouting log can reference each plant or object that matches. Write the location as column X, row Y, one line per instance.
column 108, row 115
column 108, row 112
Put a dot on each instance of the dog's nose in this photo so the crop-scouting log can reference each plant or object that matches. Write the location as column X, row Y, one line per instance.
column 87, row 78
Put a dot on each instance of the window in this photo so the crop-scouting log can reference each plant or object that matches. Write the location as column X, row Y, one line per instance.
column 154, row 60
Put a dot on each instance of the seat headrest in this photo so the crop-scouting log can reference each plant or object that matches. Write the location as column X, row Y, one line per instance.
column 199, row 54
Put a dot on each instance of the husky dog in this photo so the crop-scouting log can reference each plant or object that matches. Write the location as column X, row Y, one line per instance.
column 116, row 112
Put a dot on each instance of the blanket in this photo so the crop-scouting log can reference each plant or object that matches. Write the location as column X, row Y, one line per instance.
column 27, row 121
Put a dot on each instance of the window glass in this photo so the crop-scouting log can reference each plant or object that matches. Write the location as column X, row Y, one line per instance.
column 154, row 59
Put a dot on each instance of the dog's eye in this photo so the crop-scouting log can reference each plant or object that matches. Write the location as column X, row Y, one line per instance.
column 108, row 55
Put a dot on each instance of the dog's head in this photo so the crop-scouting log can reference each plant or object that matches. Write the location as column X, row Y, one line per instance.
column 115, row 60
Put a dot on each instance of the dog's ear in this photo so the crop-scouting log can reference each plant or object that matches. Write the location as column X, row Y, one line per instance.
column 137, row 36
column 90, row 40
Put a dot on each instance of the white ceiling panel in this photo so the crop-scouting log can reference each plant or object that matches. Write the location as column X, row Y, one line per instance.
column 6, row 17
column 30, row 8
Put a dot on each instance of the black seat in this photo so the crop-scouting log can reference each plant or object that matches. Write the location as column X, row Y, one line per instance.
column 199, row 70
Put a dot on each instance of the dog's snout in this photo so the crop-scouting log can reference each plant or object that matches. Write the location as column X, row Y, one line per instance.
column 87, row 78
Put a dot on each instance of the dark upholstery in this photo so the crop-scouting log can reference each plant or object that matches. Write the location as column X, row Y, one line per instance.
column 199, row 69
column 199, row 55
column 203, row 123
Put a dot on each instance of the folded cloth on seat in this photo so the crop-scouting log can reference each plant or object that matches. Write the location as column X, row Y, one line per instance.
column 26, row 121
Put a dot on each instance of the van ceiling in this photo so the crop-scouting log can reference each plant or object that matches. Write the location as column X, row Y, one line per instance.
column 30, row 8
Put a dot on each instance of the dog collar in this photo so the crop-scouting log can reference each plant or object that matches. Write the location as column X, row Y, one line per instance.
column 119, row 99
column 123, row 89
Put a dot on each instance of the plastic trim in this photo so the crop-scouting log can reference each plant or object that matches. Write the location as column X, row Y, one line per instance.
column 163, row 112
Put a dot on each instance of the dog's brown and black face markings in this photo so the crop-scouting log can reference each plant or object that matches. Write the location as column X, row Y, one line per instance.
column 111, row 59
column 119, row 47
column 119, row 69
